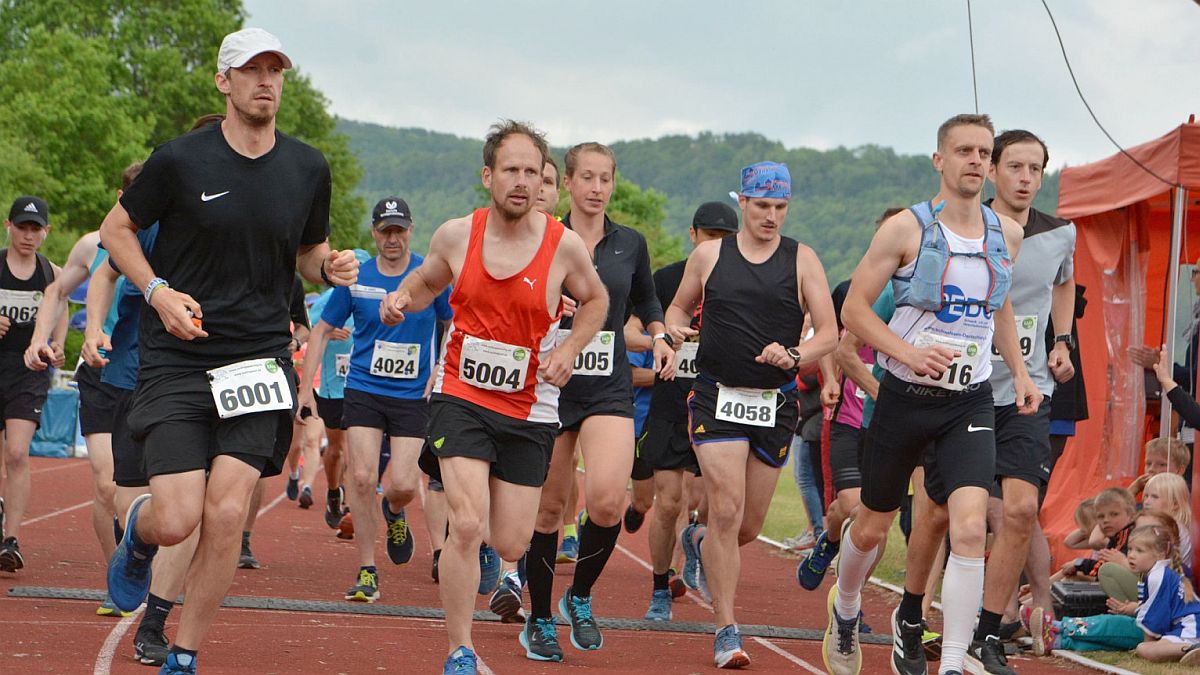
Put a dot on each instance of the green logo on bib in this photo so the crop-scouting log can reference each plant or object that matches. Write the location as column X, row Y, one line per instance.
column 605, row 338
column 412, row 349
column 768, row 395
column 972, row 349
column 37, row 296
column 1027, row 323
column 519, row 354
column 272, row 367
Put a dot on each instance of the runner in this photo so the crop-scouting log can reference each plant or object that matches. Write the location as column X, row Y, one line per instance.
column 385, row 391
column 756, row 288
column 936, row 351
column 596, row 408
column 494, row 412
column 666, row 447
column 240, row 208
column 24, row 276
column 1043, row 292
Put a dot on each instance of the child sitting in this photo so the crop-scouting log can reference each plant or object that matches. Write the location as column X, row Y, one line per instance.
column 1163, row 455
column 1085, row 522
column 1168, row 492
column 1115, row 512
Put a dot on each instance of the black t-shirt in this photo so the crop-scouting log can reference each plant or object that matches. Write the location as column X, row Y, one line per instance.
column 230, row 228
column 668, row 401
column 296, row 309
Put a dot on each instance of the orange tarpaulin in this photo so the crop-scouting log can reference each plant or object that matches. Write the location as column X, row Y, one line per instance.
column 1124, row 220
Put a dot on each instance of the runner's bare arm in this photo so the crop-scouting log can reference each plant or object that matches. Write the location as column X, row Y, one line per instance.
column 341, row 267
column 691, row 290
column 846, row 356
column 584, row 284
column 100, row 293
column 436, row 272
column 317, row 340
column 816, row 299
column 54, row 298
column 894, row 240
column 57, row 354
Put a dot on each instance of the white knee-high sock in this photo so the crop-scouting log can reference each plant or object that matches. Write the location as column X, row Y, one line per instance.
column 962, row 591
column 853, row 567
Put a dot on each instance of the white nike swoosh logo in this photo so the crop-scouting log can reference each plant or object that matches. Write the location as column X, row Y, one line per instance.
column 618, row 252
column 972, row 427
column 208, row 198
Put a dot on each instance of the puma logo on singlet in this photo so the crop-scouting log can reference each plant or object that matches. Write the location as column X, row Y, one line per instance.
column 529, row 281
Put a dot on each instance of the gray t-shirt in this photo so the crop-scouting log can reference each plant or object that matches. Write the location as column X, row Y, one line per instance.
column 1046, row 259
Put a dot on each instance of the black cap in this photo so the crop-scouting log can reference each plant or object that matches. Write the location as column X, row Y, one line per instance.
column 29, row 210
column 391, row 211
column 715, row 216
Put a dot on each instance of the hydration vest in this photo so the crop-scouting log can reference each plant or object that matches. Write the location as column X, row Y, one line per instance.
column 923, row 289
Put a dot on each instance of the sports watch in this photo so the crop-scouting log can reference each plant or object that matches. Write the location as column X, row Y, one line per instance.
column 795, row 354
column 1066, row 338
column 665, row 337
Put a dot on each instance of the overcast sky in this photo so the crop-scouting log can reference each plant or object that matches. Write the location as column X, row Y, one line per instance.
column 816, row 74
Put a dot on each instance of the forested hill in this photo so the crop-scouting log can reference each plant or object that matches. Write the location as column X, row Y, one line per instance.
column 837, row 194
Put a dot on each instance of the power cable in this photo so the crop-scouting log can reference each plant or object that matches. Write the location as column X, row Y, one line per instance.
column 971, row 34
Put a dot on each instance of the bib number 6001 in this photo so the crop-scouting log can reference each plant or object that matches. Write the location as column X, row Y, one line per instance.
column 246, row 395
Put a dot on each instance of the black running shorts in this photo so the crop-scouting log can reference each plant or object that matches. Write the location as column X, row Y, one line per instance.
column 175, row 417
column 1023, row 444
column 330, row 411
column 845, row 453
column 22, row 391
column 572, row 413
column 666, row 446
column 129, row 460
column 397, row 417
column 97, row 401
column 518, row 450
column 908, row 418
column 770, row 445
column 641, row 470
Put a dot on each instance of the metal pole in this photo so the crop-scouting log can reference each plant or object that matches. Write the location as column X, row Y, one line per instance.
column 1164, row 426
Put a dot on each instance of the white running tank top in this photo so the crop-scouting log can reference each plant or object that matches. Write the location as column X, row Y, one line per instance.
column 965, row 328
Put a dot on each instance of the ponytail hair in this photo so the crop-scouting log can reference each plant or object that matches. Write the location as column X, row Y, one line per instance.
column 1163, row 539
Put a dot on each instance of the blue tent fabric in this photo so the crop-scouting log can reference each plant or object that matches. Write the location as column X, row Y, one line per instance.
column 56, row 434
column 78, row 320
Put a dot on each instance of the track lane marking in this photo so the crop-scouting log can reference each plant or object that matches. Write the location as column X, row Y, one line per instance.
column 57, row 513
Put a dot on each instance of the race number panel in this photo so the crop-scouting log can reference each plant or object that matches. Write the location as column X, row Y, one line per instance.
column 755, row 407
column 257, row 385
column 1026, row 334
column 958, row 374
column 497, row 366
column 685, row 360
column 341, row 365
column 399, row 360
column 20, row 306
column 596, row 358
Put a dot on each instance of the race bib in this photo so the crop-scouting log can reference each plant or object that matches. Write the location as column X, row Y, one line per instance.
column 20, row 306
column 1026, row 333
column 397, row 360
column 685, row 360
column 755, row 407
column 257, row 385
column 596, row 358
column 341, row 365
column 958, row 375
column 488, row 364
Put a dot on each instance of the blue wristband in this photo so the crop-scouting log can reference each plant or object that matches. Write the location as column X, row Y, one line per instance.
column 154, row 285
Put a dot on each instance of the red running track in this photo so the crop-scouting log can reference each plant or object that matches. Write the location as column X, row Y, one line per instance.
column 303, row 560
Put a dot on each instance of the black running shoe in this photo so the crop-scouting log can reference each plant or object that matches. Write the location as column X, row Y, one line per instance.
column 989, row 655
column 633, row 519
column 10, row 555
column 333, row 508
column 150, row 645
column 577, row 612
column 506, row 601
column 293, row 488
column 399, row 538
column 246, row 560
column 306, row 499
column 540, row 640
column 908, row 657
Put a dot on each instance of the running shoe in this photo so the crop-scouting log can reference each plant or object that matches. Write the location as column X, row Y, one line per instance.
column 345, row 528
column 400, row 542
column 293, row 487
column 988, row 655
column 489, row 569
column 367, row 589
column 506, row 600
column 540, row 640
column 129, row 568
column 908, row 657
column 660, row 606
column 460, row 662
column 10, row 555
column 801, row 542
column 107, row 608
column 678, row 589
column 931, row 642
column 727, row 649
column 246, row 559
column 577, row 612
column 178, row 664
column 1044, row 631
column 840, row 645
column 306, row 499
column 691, row 556
column 150, row 645
column 633, row 519
column 1011, row 630
column 333, row 508
column 812, row 569
column 568, row 551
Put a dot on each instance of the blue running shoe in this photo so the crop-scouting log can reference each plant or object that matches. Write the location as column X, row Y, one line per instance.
column 727, row 649
column 107, row 608
column 691, row 556
column 489, row 569
column 577, row 612
column 568, row 550
column 660, row 605
column 460, row 662
column 178, row 664
column 129, row 569
column 812, row 569
column 540, row 640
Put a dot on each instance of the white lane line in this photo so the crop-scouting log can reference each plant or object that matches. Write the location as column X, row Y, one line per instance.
column 60, row 467
column 482, row 667
column 57, row 513
column 109, row 649
column 272, row 504
column 788, row 655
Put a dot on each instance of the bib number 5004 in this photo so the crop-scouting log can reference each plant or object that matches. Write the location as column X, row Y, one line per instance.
column 496, row 375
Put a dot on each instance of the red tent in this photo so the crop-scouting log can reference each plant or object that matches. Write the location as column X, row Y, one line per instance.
column 1125, row 218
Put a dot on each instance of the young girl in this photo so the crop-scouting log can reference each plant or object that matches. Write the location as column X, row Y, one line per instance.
column 1085, row 522
column 1169, row 492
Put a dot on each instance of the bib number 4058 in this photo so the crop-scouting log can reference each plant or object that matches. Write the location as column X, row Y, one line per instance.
column 746, row 413
column 481, row 372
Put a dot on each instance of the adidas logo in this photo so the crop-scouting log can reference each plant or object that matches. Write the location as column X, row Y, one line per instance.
column 30, row 208
column 700, row 429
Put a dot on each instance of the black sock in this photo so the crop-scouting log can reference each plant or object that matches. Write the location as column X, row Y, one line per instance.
column 245, row 538
column 335, row 493
column 662, row 582
column 596, row 544
column 539, row 572
column 910, row 608
column 989, row 624
column 157, row 610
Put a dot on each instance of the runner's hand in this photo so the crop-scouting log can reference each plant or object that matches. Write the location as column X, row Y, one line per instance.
column 4, row 324
column 58, row 357
column 569, row 305
column 339, row 334
column 341, row 267
column 1028, row 396
column 38, row 357
column 177, row 311
column 1143, row 356
column 831, row 393
column 664, row 360
column 391, row 310
column 93, row 345
column 930, row 361
column 1059, row 361
column 680, row 334
column 305, row 399
column 776, row 355
column 557, row 369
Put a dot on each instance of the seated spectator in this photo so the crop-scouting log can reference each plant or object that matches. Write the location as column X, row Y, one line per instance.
column 1162, row 454
column 1085, row 522
column 1167, row 492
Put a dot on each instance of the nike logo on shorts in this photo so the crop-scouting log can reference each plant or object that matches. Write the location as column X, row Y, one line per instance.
column 204, row 197
column 972, row 428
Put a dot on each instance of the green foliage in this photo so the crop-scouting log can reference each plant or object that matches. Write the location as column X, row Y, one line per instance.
column 644, row 211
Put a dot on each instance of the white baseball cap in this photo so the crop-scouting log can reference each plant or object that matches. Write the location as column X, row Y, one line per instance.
column 238, row 48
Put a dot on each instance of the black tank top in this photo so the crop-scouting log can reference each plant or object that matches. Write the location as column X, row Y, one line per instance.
column 19, row 301
column 746, row 308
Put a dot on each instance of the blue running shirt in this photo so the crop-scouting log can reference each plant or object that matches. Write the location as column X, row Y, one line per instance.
column 332, row 384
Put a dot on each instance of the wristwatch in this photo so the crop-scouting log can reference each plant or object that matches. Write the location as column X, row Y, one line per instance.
column 665, row 337
column 795, row 354
column 1066, row 338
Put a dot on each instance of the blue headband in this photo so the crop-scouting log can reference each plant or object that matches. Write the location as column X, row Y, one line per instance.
column 767, row 179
